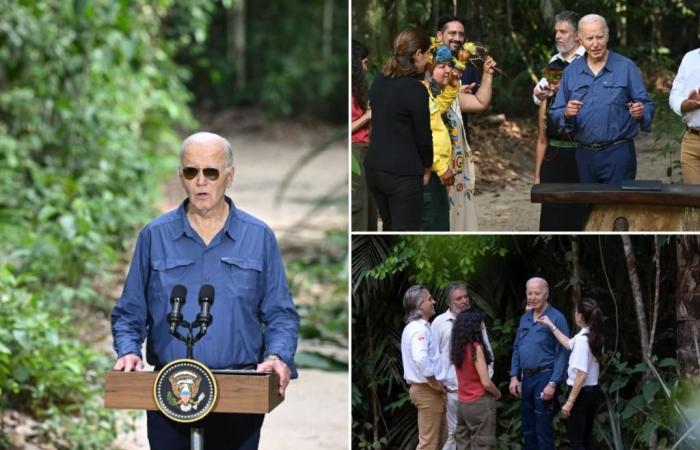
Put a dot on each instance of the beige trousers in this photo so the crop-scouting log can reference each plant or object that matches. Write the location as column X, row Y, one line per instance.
column 432, row 426
column 690, row 158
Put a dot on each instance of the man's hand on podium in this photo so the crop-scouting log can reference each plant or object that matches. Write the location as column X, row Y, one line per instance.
column 129, row 362
column 274, row 364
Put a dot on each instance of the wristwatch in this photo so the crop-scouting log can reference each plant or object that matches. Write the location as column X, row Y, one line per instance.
column 274, row 357
column 552, row 383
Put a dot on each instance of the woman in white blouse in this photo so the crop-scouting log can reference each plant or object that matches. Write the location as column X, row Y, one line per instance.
column 584, row 365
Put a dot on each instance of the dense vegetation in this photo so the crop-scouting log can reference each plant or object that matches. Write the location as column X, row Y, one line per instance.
column 89, row 99
column 92, row 95
column 647, row 400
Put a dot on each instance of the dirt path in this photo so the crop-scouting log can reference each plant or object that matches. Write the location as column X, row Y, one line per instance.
column 315, row 414
column 507, row 207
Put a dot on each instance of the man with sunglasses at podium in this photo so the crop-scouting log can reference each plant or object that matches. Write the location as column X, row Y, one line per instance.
column 207, row 240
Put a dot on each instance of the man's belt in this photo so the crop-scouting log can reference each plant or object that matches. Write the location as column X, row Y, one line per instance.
column 250, row 366
column 602, row 145
column 531, row 372
column 693, row 131
column 563, row 144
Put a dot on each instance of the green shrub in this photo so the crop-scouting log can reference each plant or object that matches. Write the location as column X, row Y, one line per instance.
column 89, row 100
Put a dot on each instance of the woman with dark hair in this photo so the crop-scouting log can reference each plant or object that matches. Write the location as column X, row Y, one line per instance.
column 401, row 147
column 364, row 209
column 584, row 366
column 476, row 410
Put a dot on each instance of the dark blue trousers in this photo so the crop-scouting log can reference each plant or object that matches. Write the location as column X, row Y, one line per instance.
column 221, row 431
column 609, row 165
column 537, row 414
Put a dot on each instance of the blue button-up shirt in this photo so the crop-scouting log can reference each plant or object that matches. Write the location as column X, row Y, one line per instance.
column 536, row 347
column 604, row 116
column 253, row 313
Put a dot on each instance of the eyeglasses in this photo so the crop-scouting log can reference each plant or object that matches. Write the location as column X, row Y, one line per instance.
column 210, row 173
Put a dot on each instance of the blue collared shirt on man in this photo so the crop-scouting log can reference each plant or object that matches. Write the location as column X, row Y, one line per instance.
column 253, row 313
column 604, row 116
column 536, row 347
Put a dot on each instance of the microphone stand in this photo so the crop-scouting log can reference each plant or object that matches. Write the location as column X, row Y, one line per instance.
column 202, row 322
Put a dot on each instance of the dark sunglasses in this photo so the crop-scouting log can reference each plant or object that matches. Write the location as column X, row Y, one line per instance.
column 210, row 173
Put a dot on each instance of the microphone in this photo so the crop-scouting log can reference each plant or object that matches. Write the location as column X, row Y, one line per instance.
column 178, row 297
column 206, row 300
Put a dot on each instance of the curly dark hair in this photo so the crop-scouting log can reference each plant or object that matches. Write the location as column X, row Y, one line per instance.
column 359, row 81
column 467, row 329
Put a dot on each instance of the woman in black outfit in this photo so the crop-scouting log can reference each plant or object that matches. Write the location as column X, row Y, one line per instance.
column 401, row 147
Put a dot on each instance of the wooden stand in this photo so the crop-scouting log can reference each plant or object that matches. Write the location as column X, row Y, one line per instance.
column 239, row 391
column 676, row 207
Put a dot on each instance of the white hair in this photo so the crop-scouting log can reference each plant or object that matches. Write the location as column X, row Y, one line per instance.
column 591, row 18
column 538, row 280
column 207, row 137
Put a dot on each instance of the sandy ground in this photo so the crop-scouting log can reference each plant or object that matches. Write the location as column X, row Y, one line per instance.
column 509, row 208
column 315, row 415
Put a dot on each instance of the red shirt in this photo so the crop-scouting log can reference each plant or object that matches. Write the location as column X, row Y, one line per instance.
column 469, row 386
column 362, row 133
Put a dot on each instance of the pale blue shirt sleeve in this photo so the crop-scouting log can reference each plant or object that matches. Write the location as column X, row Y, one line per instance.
column 638, row 93
column 277, row 309
column 129, row 314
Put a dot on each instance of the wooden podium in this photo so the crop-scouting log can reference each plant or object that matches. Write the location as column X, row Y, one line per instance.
column 675, row 207
column 239, row 391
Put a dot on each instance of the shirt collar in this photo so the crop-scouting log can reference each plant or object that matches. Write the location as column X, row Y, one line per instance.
column 183, row 226
column 580, row 51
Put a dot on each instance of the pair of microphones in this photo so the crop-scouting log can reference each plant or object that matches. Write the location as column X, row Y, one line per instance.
column 178, row 297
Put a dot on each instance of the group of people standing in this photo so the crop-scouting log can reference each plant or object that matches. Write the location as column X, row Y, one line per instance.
column 449, row 368
column 417, row 165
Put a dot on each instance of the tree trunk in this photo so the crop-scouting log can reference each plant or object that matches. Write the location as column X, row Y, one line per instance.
column 575, row 271
column 434, row 16
column 641, row 314
column 236, row 36
column 327, row 31
column 688, row 305
column 636, row 293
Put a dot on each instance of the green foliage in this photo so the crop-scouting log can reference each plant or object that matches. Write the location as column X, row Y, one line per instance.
column 89, row 98
column 49, row 374
column 638, row 404
column 436, row 260
column 321, row 277
column 668, row 133
column 296, row 57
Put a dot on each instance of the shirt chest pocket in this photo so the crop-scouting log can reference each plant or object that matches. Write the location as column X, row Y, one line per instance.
column 171, row 271
column 615, row 92
column 245, row 276
column 579, row 91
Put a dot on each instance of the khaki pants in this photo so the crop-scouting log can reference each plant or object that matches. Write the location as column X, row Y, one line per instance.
column 690, row 158
column 476, row 424
column 432, row 428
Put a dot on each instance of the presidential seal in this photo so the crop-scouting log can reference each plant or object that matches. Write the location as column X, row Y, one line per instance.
column 185, row 390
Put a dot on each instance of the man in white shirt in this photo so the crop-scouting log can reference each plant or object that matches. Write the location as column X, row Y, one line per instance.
column 422, row 368
column 568, row 46
column 685, row 101
column 457, row 301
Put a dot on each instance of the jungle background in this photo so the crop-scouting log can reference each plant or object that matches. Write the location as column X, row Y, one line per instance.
column 655, row 34
column 647, row 287
column 95, row 97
